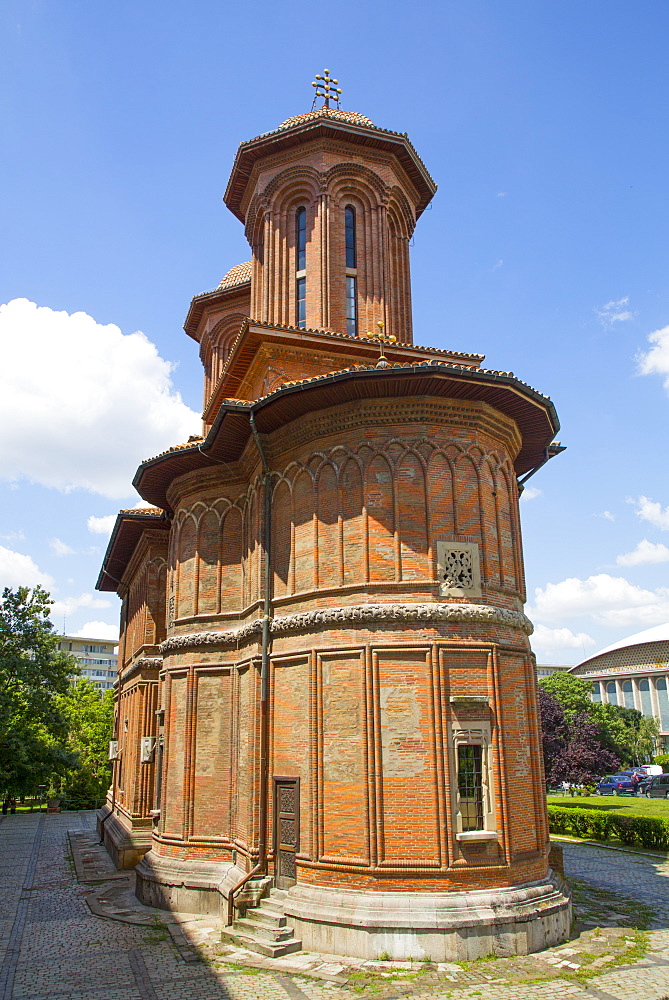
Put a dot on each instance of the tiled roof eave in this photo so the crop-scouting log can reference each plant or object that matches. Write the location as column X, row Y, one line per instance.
column 535, row 414
column 398, row 142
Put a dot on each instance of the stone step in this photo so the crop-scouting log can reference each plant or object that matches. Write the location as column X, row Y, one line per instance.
column 270, row 905
column 268, row 932
column 261, row 915
column 262, row 947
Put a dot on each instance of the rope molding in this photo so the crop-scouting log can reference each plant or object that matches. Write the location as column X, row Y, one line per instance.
column 355, row 615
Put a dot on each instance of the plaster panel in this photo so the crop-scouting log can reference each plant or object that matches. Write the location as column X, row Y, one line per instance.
column 211, row 806
column 343, row 764
column 291, row 743
column 410, row 810
column 175, row 763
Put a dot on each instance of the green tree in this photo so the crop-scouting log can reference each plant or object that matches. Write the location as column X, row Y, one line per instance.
column 647, row 739
column 629, row 734
column 572, row 692
column 89, row 714
column 33, row 673
column 624, row 732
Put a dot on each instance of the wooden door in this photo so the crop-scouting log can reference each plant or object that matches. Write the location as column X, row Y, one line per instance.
column 286, row 830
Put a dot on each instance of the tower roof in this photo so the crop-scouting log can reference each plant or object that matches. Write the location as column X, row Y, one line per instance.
column 328, row 123
column 237, row 275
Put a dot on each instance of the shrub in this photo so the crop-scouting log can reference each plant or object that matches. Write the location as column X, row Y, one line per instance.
column 596, row 824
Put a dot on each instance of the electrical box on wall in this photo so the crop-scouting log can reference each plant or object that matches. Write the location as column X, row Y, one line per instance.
column 113, row 750
column 147, row 747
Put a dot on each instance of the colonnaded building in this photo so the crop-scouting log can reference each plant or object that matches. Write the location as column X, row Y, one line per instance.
column 634, row 673
column 326, row 699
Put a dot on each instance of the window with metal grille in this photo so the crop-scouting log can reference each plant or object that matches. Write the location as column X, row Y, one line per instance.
column 470, row 785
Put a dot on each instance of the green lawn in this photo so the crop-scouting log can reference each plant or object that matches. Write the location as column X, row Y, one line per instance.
column 621, row 805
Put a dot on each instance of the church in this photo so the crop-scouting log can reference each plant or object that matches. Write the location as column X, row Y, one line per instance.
column 326, row 712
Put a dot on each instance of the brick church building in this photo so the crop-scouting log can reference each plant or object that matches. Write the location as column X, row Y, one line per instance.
column 327, row 720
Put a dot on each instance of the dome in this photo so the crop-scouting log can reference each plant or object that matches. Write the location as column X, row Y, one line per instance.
column 659, row 633
column 237, row 275
column 352, row 117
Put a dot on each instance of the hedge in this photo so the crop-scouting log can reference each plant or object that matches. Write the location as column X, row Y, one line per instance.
column 596, row 824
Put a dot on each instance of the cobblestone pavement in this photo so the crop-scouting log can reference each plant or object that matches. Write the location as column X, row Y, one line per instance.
column 52, row 947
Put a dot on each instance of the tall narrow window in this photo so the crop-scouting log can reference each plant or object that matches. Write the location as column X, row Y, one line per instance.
column 470, row 785
column 300, row 267
column 351, row 305
column 351, row 277
column 350, row 237
column 301, row 299
column 300, row 239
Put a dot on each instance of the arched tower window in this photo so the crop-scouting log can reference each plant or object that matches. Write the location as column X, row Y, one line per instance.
column 351, row 272
column 300, row 268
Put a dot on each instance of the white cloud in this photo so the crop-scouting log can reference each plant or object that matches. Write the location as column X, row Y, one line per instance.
column 656, row 360
column 14, row 536
column 60, row 548
column 645, row 552
column 546, row 641
column 69, row 605
column 607, row 515
column 91, row 403
column 608, row 600
column 530, row 492
column 101, row 525
column 653, row 512
column 17, row 570
column 615, row 312
column 98, row 630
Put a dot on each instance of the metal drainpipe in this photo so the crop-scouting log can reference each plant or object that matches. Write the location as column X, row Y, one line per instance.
column 261, row 866
column 540, row 465
column 124, row 610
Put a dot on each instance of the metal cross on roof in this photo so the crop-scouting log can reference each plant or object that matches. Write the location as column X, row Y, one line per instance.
column 326, row 88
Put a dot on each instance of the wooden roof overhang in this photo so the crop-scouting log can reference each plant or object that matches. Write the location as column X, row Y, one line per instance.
column 286, row 138
column 534, row 414
column 253, row 334
column 200, row 302
column 128, row 531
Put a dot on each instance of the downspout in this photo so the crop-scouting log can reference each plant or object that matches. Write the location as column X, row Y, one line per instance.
column 261, row 866
column 550, row 452
column 124, row 611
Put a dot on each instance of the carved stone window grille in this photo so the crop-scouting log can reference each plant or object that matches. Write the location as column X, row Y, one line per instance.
column 458, row 569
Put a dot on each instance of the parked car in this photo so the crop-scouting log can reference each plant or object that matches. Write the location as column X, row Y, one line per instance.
column 657, row 787
column 651, row 769
column 615, row 784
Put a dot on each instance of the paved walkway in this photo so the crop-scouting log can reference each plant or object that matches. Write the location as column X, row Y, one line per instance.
column 52, row 947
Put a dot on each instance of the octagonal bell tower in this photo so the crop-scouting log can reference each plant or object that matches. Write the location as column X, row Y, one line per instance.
column 329, row 203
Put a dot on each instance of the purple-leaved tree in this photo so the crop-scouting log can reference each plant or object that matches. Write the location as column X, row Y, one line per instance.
column 572, row 748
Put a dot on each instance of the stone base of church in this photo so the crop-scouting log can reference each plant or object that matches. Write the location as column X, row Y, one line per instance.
column 188, row 886
column 125, row 846
column 441, row 927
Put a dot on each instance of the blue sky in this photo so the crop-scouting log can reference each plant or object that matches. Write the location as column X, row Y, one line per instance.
column 546, row 248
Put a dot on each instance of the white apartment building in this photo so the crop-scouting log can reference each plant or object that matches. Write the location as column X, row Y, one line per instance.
column 98, row 658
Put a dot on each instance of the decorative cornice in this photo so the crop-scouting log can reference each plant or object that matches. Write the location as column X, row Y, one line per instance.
column 143, row 663
column 359, row 614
